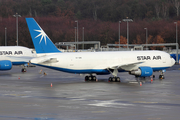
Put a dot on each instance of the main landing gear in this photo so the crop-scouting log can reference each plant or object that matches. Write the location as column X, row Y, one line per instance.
column 114, row 72
column 90, row 78
column 114, row 79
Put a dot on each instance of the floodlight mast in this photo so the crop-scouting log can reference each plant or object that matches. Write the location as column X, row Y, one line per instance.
column 16, row 15
column 127, row 20
column 77, row 33
column 119, row 34
column 177, row 46
column 146, row 37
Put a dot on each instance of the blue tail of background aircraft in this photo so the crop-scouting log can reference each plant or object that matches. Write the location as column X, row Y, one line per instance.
column 41, row 41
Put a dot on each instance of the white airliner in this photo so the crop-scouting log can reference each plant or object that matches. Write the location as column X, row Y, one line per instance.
column 138, row 63
column 14, row 55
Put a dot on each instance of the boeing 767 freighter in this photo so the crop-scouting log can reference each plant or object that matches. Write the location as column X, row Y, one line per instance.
column 138, row 63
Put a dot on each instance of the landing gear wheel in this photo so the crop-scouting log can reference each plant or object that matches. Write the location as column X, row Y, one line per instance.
column 110, row 79
column 89, row 78
column 93, row 78
column 118, row 79
column 114, row 79
column 86, row 78
column 23, row 70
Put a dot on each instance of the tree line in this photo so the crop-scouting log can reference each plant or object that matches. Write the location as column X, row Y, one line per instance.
column 100, row 19
column 104, row 10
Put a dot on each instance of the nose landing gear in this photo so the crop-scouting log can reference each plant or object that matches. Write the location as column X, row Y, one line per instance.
column 161, row 76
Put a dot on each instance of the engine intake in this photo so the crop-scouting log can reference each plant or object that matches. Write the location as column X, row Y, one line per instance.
column 142, row 72
column 5, row 65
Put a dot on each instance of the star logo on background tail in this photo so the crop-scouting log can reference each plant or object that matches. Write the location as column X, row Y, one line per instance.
column 42, row 34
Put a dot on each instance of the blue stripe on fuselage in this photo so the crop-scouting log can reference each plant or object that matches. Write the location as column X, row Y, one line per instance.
column 89, row 71
column 19, row 63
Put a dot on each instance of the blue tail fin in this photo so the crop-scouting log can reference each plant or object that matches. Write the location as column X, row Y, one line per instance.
column 41, row 41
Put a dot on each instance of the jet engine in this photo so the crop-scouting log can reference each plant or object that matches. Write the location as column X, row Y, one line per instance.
column 142, row 72
column 5, row 65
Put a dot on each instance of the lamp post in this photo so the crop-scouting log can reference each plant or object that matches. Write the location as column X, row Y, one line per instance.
column 75, row 37
column 83, row 36
column 127, row 20
column 146, row 37
column 119, row 34
column 77, row 33
column 176, row 42
column 16, row 15
column 5, row 36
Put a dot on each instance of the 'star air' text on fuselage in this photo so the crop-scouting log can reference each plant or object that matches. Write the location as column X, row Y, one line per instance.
column 148, row 58
column 11, row 53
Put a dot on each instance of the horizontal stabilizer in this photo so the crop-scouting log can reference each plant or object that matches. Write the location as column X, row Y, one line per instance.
column 44, row 60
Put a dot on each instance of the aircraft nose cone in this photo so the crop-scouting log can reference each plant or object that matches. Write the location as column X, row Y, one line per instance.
column 172, row 61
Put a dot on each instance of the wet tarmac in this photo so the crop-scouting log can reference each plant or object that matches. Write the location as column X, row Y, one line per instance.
column 30, row 96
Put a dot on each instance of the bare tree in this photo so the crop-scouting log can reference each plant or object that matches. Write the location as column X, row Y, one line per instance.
column 165, row 9
column 95, row 12
column 158, row 9
column 176, row 5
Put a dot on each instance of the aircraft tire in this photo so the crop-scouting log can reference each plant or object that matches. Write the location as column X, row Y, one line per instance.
column 118, row 79
column 110, row 79
column 93, row 78
column 86, row 78
column 114, row 79
column 89, row 78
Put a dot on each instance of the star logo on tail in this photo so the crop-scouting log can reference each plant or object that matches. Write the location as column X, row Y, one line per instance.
column 42, row 34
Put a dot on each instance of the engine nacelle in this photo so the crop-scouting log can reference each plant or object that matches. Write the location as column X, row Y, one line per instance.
column 5, row 65
column 142, row 72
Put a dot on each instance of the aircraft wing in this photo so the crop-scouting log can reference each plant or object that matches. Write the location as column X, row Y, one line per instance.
column 126, row 67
